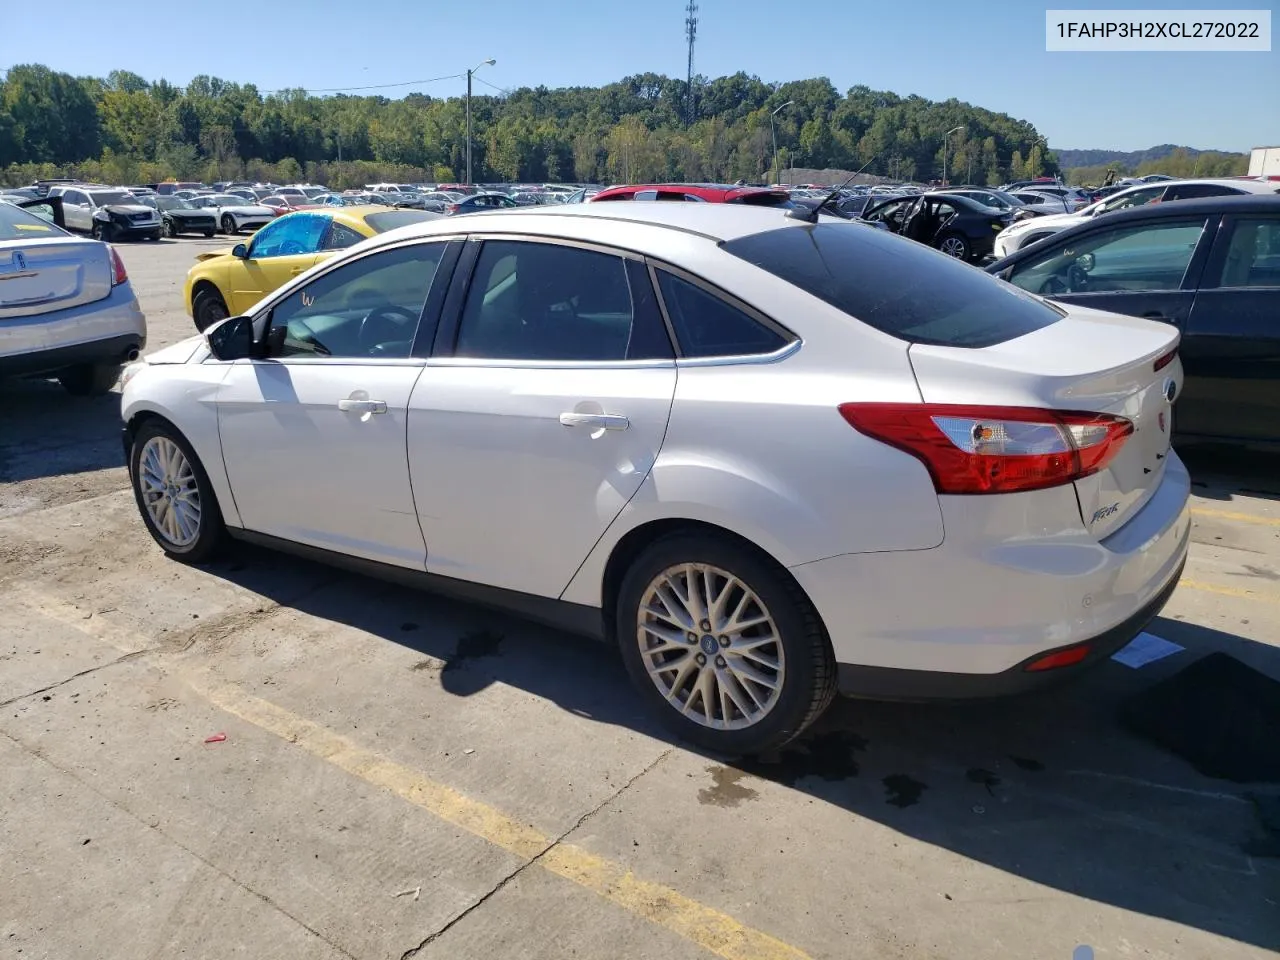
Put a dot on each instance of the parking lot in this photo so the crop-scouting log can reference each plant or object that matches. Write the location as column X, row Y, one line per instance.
column 268, row 758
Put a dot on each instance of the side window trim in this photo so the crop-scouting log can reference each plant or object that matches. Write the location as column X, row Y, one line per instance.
column 792, row 339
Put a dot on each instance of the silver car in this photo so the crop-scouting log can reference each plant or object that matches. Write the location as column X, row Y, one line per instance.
column 66, row 306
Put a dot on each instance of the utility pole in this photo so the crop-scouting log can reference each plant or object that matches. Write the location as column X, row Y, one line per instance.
column 773, row 129
column 486, row 63
column 944, row 151
column 691, row 34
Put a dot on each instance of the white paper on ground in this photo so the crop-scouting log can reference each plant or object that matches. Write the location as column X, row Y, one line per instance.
column 1145, row 648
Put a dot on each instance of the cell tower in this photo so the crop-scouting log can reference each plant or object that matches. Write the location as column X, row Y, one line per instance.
column 691, row 34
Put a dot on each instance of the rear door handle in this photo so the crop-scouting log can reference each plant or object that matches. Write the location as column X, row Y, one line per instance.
column 596, row 421
column 362, row 406
column 1158, row 317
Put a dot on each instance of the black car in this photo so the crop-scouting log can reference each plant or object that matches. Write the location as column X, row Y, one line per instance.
column 180, row 216
column 959, row 227
column 479, row 201
column 1210, row 267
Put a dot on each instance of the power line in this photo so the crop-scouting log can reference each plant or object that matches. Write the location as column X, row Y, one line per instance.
column 376, row 86
column 502, row 90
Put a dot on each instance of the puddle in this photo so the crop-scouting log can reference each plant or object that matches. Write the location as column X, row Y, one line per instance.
column 828, row 756
column 726, row 789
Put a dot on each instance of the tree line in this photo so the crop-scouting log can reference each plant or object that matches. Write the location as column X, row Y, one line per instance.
column 126, row 129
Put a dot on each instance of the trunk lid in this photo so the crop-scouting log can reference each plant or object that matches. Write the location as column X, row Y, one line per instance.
column 40, row 276
column 1090, row 361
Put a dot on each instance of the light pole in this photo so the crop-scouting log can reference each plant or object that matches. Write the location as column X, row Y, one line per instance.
column 944, row 151
column 774, row 130
column 486, row 63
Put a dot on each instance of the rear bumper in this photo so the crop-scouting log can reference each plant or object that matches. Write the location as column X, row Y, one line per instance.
column 886, row 683
column 101, row 332
column 114, row 350
column 1017, row 576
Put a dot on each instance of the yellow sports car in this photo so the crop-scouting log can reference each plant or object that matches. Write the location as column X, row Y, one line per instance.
column 226, row 283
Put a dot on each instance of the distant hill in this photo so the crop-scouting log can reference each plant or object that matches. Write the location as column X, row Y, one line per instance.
column 1131, row 159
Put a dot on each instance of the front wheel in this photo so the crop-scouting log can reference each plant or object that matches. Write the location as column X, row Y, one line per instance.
column 723, row 644
column 174, row 495
column 169, row 229
column 208, row 309
column 955, row 245
column 103, row 231
column 229, row 224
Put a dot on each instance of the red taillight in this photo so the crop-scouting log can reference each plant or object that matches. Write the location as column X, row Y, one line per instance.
column 979, row 449
column 451, row 208
column 1062, row 658
column 1167, row 359
column 118, row 273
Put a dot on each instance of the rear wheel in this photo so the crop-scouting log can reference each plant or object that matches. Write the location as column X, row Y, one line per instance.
column 955, row 245
column 90, row 379
column 723, row 645
column 229, row 224
column 173, row 494
column 208, row 309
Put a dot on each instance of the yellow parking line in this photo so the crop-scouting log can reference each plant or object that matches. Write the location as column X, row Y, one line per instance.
column 705, row 926
column 1234, row 515
column 1238, row 592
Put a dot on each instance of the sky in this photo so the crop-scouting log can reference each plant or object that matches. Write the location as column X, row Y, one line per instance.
column 990, row 54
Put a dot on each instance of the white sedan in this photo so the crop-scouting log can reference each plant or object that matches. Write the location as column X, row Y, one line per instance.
column 768, row 459
column 235, row 213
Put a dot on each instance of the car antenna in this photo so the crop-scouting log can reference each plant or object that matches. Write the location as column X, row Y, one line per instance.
column 810, row 215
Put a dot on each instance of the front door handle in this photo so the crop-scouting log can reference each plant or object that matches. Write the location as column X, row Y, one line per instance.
column 596, row 421
column 362, row 406
column 1158, row 317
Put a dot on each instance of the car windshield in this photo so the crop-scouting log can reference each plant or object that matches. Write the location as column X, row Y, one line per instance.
column 382, row 222
column 314, row 191
column 227, row 200
column 876, row 278
column 103, row 197
column 173, row 203
column 17, row 223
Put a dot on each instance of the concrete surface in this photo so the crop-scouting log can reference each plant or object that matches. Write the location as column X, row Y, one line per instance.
column 405, row 776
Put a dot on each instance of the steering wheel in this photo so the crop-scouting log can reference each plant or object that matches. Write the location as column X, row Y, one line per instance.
column 290, row 248
column 1054, row 286
column 385, row 323
column 1077, row 278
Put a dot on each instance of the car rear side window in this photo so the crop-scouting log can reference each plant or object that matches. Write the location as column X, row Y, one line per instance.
column 17, row 224
column 706, row 325
column 897, row 286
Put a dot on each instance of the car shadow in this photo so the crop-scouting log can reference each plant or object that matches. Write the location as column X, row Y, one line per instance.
column 1049, row 788
column 48, row 433
column 1224, row 471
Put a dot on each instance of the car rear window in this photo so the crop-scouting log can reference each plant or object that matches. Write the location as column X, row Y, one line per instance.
column 17, row 224
column 763, row 199
column 898, row 286
column 382, row 222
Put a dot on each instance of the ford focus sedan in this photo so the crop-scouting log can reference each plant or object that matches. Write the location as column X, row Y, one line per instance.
column 758, row 455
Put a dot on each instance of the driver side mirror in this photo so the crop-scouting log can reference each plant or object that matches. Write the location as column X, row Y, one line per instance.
column 240, row 251
column 231, row 339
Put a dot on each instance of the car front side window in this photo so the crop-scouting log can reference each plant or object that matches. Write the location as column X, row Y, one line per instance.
column 541, row 301
column 368, row 307
column 289, row 236
column 1130, row 259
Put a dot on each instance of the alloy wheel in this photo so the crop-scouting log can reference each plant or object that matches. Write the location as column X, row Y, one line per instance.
column 953, row 247
column 170, row 494
column 710, row 646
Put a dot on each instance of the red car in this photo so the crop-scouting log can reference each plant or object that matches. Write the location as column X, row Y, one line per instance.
column 282, row 205
column 698, row 193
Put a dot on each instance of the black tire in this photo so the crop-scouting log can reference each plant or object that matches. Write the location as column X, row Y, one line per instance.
column 229, row 225
column 154, row 236
column 90, row 379
column 212, row 533
column 208, row 234
column 169, row 229
column 103, row 231
column 809, row 679
column 956, row 245
column 208, row 308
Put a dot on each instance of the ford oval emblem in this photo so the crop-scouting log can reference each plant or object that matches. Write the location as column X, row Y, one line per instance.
column 1170, row 390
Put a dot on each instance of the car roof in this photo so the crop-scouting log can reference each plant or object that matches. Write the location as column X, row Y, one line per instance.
column 706, row 190
column 714, row 222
